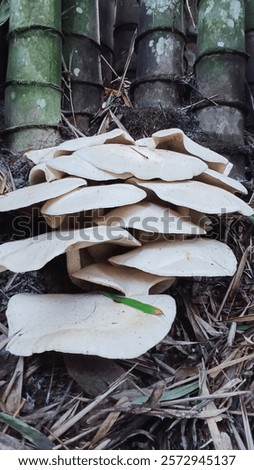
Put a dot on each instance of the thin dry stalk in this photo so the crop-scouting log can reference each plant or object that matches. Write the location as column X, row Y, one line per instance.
column 75, row 419
column 235, row 283
column 12, row 396
column 127, row 63
column 247, row 428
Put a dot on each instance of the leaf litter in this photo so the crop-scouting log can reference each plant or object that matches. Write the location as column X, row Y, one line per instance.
column 194, row 390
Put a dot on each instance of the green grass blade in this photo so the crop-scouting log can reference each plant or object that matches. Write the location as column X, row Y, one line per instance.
column 251, row 219
column 173, row 394
column 146, row 308
column 36, row 437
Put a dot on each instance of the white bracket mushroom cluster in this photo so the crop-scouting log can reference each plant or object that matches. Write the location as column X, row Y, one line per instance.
column 131, row 217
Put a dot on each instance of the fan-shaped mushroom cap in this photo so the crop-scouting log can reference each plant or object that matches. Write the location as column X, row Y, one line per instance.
column 86, row 324
column 175, row 139
column 94, row 197
column 33, row 253
column 66, row 148
column 75, row 166
column 41, row 173
column 129, row 281
column 146, row 142
column 41, row 155
column 197, row 257
column 117, row 136
column 150, row 217
column 143, row 163
column 198, row 196
column 29, row 195
column 225, row 182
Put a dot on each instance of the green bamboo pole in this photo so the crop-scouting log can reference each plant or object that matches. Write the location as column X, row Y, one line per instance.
column 221, row 26
column 220, row 68
column 81, row 50
column 160, row 53
column 107, row 14
column 126, row 23
column 32, row 92
column 191, row 22
column 3, row 58
column 249, row 41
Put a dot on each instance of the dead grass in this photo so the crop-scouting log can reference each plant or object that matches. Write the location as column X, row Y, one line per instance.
column 194, row 390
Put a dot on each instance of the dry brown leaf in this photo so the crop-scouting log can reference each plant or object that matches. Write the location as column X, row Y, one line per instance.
column 247, row 426
column 221, row 442
column 215, row 371
column 13, row 394
column 106, row 426
column 75, row 419
column 93, row 374
column 3, row 184
column 244, row 319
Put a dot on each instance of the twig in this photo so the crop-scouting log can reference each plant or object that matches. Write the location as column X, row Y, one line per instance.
column 110, row 66
column 201, row 101
column 234, row 282
column 117, row 121
column 131, row 49
column 190, row 13
column 75, row 131
column 74, row 419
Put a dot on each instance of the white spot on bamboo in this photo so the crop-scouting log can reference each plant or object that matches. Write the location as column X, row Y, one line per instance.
column 76, row 72
column 235, row 10
column 79, row 10
column 160, row 6
column 41, row 103
column 160, row 48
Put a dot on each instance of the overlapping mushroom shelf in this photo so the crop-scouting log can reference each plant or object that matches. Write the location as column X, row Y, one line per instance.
column 130, row 216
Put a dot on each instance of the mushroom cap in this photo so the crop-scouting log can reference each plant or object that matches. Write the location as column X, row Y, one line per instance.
column 41, row 173
column 85, row 324
column 117, row 136
column 76, row 166
column 150, row 217
column 146, row 142
column 196, row 257
column 33, row 253
column 94, row 197
column 129, row 281
column 55, row 221
column 29, row 195
column 175, row 139
column 41, row 155
column 199, row 196
column 142, row 162
column 66, row 148
column 225, row 182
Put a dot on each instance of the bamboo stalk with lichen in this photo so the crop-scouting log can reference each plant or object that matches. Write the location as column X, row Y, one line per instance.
column 220, row 67
column 107, row 11
column 81, row 51
column 249, row 41
column 32, row 90
column 3, row 57
column 160, row 51
column 126, row 24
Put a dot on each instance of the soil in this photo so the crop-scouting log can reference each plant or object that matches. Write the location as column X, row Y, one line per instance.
column 203, row 348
